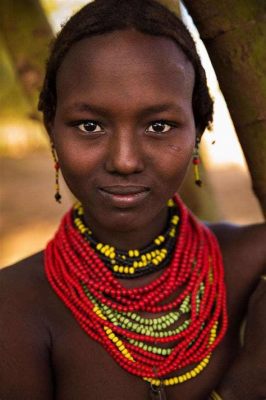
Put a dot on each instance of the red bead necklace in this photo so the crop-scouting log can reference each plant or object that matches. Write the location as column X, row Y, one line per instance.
column 74, row 269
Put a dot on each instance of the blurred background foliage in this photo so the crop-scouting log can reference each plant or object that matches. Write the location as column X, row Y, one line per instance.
column 29, row 215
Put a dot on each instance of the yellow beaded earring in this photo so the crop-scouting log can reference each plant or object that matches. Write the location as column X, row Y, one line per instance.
column 57, row 195
column 196, row 162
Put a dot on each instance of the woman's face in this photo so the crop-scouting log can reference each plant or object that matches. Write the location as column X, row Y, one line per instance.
column 124, row 129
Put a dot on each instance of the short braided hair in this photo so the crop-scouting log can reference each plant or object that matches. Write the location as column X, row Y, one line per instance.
column 146, row 16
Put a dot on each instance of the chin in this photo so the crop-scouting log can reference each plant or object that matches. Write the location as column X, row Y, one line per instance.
column 125, row 221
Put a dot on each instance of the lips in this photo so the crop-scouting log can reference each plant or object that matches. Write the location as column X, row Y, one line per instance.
column 124, row 190
column 120, row 196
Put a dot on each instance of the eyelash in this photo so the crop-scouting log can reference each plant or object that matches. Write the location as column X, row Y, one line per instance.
column 77, row 124
column 162, row 122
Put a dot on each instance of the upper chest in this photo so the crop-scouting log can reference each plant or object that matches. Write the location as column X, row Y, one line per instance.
column 85, row 370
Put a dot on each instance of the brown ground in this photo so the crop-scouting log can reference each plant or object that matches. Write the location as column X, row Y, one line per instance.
column 29, row 213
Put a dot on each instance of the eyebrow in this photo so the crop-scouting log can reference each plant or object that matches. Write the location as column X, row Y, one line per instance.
column 145, row 111
column 157, row 108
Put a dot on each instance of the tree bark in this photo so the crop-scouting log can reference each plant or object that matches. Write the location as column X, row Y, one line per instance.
column 26, row 33
column 234, row 33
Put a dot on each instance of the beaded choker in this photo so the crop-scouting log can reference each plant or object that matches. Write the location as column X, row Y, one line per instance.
column 133, row 263
column 187, row 302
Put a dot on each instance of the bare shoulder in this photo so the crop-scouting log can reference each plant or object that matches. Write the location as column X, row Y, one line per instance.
column 22, row 286
column 31, row 267
column 243, row 243
column 244, row 254
column 24, row 333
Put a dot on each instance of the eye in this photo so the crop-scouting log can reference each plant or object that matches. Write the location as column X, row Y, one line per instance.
column 160, row 127
column 89, row 126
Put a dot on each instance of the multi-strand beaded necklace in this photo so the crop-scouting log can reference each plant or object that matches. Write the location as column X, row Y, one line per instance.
column 187, row 302
column 133, row 263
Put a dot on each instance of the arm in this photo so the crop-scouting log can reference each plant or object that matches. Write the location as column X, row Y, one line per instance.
column 246, row 379
column 25, row 371
column 244, row 253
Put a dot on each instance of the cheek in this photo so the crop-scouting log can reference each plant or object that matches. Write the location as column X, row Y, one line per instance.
column 78, row 163
column 177, row 153
column 74, row 154
column 175, row 160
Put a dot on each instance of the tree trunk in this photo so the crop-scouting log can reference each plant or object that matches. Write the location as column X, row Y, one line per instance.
column 12, row 98
column 26, row 33
column 234, row 33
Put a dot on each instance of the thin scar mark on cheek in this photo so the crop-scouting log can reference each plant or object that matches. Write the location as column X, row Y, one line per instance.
column 174, row 148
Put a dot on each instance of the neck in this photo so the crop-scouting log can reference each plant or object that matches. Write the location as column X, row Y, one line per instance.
column 127, row 239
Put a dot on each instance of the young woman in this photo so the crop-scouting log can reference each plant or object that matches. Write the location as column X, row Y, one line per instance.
column 133, row 298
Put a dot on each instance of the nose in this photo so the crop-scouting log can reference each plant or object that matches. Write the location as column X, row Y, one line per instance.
column 124, row 154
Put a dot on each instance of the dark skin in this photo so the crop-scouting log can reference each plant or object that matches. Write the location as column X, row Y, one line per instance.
column 44, row 354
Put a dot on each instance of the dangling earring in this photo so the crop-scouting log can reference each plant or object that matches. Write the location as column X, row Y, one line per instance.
column 196, row 162
column 57, row 195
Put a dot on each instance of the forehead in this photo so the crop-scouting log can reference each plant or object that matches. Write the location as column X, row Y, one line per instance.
column 126, row 62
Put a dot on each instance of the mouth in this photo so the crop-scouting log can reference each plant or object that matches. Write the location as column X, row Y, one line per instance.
column 124, row 196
